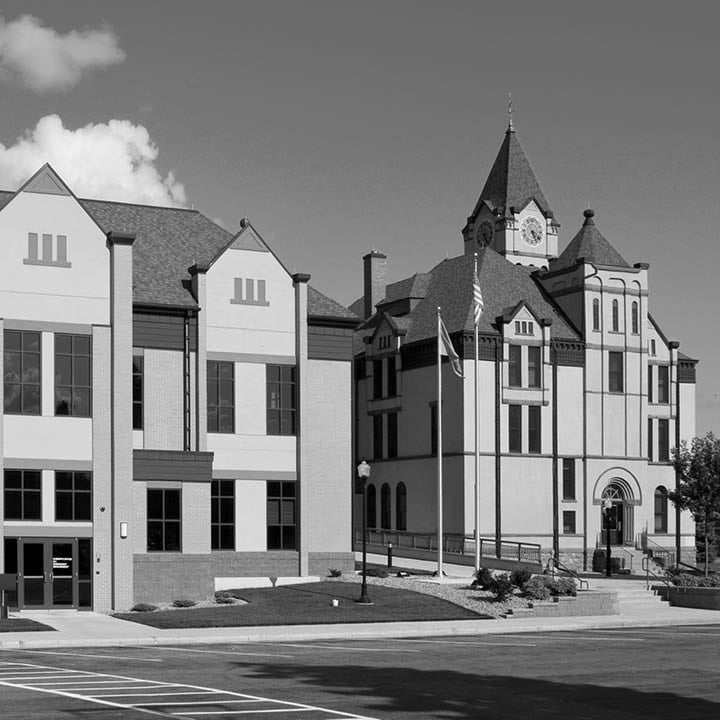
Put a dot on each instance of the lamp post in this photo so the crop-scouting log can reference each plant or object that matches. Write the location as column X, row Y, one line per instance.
column 363, row 471
column 607, row 507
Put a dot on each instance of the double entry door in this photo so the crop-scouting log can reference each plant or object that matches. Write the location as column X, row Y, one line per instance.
column 54, row 573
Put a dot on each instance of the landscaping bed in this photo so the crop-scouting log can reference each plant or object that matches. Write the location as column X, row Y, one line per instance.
column 23, row 625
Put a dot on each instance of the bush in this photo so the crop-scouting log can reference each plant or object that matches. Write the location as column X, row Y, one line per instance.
column 501, row 586
column 562, row 586
column 483, row 578
column 143, row 607
column 377, row 572
column 222, row 597
column 537, row 588
column 335, row 573
column 520, row 576
column 182, row 603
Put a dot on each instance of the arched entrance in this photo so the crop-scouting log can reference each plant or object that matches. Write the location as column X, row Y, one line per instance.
column 621, row 514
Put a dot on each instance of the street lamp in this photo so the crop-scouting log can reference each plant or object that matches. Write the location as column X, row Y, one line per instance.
column 607, row 507
column 363, row 471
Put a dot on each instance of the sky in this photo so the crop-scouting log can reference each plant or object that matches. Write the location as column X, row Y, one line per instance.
column 341, row 127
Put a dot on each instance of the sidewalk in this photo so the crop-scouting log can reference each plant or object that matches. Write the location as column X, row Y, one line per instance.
column 88, row 629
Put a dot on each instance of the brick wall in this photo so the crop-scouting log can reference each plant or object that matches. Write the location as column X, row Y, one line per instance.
column 163, row 400
column 195, row 517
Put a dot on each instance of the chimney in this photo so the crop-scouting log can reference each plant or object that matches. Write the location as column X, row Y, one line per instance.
column 374, row 267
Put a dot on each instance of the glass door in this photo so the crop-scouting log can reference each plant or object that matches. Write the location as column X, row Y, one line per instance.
column 62, row 573
column 34, row 573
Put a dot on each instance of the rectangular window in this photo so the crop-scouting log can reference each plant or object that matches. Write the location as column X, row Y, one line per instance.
column 615, row 372
column 73, row 495
column 568, row 487
column 663, row 384
column 534, row 367
column 651, row 440
column 392, row 435
column 433, row 429
column 281, row 527
column 391, row 377
column 650, row 383
column 377, row 436
column 22, row 372
column 652, row 348
column 663, row 440
column 596, row 314
column 163, row 520
column 23, row 495
column 568, row 522
column 220, row 397
column 137, row 391
column 377, row 378
column 514, row 365
column 222, row 515
column 515, row 428
column 534, row 429
column 73, row 375
column 281, row 388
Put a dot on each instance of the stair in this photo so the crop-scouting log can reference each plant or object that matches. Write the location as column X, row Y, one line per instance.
column 633, row 596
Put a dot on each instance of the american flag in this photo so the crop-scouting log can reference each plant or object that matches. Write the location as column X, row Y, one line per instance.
column 478, row 305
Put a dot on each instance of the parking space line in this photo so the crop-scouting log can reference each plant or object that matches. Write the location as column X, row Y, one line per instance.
column 341, row 647
column 218, row 652
column 469, row 642
column 572, row 638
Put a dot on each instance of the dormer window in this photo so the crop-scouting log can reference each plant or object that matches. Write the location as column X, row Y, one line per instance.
column 249, row 292
column 524, row 327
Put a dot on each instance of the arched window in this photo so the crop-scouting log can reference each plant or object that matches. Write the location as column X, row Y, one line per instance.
column 385, row 507
column 661, row 510
column 596, row 314
column 371, row 506
column 401, row 507
column 635, row 320
column 615, row 316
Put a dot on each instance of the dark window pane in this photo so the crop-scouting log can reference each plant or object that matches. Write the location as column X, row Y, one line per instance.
column 32, row 479
column 82, row 506
column 13, row 505
column 172, row 536
column 155, row 504
column 273, row 537
column 288, row 537
column 81, row 344
column 172, row 504
column 13, row 398
column 13, row 478
column 227, row 510
column 83, row 481
column 288, row 489
column 63, row 506
column 81, row 370
column 31, row 400
column 13, row 340
column 81, row 402
column 154, row 535
column 227, row 537
column 62, row 400
column 13, row 366
column 32, row 509
column 273, row 373
column 31, row 341
column 273, row 489
column 63, row 344
column 63, row 480
column 226, row 370
column 63, row 370
column 273, row 512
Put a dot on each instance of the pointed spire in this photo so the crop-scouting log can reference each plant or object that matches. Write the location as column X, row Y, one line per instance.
column 510, row 113
column 589, row 244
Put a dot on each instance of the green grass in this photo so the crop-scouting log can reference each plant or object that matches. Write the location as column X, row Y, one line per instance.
column 22, row 625
column 310, row 604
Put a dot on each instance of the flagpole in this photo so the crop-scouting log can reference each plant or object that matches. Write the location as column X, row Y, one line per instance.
column 439, row 455
column 477, row 440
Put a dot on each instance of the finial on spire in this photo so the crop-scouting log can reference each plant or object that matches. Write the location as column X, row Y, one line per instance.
column 510, row 112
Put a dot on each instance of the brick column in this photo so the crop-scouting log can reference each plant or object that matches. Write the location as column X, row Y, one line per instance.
column 302, row 395
column 120, row 245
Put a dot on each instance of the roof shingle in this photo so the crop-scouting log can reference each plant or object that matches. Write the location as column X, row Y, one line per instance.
column 591, row 245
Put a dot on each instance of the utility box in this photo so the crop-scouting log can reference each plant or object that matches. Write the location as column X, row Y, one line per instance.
column 8, row 581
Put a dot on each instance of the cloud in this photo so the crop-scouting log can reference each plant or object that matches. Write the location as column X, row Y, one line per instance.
column 42, row 59
column 108, row 161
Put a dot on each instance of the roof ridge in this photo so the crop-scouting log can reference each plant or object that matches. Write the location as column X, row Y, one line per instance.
column 141, row 205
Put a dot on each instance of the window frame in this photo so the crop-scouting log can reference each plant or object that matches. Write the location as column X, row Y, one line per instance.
column 660, row 510
column 515, row 428
column 74, row 386
column 663, row 384
column 616, row 375
column 615, row 316
column 534, row 429
column 635, row 318
column 24, row 492
column 138, row 392
column 77, row 495
column 514, row 365
column 22, row 355
column 569, row 522
column 284, row 497
column 569, row 489
column 282, row 420
column 596, row 314
column 385, row 507
column 663, row 440
column 218, row 499
column 164, row 521
column 534, row 374
column 220, row 377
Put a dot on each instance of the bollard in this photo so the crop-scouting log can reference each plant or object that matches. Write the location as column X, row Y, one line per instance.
column 3, row 606
column 389, row 555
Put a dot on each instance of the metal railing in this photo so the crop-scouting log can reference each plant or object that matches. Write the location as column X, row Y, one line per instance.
column 663, row 556
column 569, row 571
column 649, row 573
column 453, row 543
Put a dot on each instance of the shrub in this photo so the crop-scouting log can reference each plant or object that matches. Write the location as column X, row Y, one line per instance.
column 222, row 597
column 183, row 603
column 537, row 588
column 377, row 572
column 143, row 607
column 562, row 586
column 335, row 573
column 483, row 578
column 520, row 576
column 501, row 586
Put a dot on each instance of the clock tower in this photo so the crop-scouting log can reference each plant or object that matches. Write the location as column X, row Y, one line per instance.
column 512, row 215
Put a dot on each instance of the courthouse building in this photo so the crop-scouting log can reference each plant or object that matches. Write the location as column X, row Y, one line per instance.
column 582, row 394
column 177, row 405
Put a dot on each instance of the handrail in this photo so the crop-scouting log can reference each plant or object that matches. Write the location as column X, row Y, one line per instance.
column 455, row 543
column 649, row 572
column 663, row 556
column 572, row 573
column 694, row 568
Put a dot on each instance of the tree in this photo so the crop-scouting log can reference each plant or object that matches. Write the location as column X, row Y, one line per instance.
column 698, row 487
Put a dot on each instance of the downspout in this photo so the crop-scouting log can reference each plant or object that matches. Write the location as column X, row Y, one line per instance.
column 555, row 483
column 498, row 464
column 674, row 346
column 186, row 381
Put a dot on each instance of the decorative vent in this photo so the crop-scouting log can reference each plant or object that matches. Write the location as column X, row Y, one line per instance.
column 570, row 354
column 54, row 251
column 249, row 292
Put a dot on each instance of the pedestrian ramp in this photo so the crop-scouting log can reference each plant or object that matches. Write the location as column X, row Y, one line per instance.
column 155, row 697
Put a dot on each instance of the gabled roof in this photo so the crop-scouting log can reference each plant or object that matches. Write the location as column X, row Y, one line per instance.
column 413, row 287
column 591, row 245
column 503, row 285
column 5, row 198
column 511, row 182
column 321, row 306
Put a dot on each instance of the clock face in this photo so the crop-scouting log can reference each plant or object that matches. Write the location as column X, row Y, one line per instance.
column 532, row 231
column 484, row 233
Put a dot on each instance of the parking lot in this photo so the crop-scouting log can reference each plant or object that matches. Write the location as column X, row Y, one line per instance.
column 618, row 674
